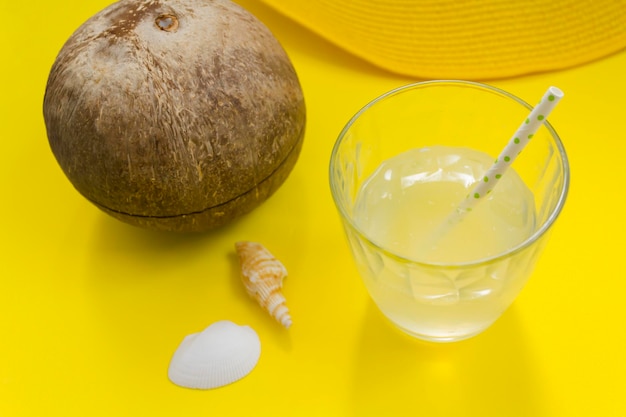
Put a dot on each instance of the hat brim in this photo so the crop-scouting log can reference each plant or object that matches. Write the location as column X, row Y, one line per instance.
column 475, row 39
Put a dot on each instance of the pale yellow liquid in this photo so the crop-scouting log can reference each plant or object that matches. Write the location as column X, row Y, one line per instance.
column 423, row 281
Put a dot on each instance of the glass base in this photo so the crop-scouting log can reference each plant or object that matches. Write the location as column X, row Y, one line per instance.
column 441, row 336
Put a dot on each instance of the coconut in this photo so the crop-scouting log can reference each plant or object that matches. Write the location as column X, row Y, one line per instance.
column 177, row 115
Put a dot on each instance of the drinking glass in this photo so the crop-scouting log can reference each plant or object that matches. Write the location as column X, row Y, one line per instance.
column 447, row 300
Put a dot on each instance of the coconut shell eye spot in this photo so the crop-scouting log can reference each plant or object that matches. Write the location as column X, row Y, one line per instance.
column 167, row 22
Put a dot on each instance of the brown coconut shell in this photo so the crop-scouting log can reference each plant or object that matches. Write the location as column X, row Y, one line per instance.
column 176, row 115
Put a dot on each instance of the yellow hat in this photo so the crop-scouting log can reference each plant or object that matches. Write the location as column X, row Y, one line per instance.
column 469, row 39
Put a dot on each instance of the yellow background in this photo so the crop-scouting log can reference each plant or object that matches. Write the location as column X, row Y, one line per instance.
column 91, row 309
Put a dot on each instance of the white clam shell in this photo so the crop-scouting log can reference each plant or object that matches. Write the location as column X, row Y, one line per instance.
column 221, row 354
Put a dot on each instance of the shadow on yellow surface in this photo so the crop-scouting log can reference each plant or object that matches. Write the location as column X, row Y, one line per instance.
column 395, row 374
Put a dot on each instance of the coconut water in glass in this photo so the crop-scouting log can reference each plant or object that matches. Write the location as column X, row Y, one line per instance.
column 398, row 170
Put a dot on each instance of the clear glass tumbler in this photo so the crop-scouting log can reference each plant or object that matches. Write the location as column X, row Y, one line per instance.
column 444, row 300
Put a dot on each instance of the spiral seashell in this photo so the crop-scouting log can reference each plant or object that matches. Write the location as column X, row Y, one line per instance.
column 263, row 275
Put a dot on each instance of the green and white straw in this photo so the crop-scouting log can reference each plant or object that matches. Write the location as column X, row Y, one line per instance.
column 521, row 138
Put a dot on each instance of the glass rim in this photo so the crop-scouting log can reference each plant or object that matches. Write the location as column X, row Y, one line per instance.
column 530, row 240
